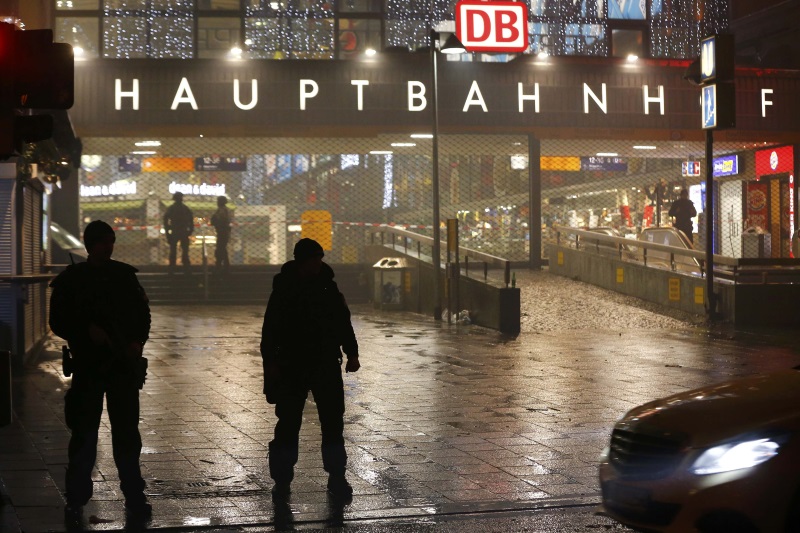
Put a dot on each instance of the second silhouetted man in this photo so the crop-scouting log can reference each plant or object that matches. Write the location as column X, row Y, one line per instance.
column 178, row 225
column 306, row 326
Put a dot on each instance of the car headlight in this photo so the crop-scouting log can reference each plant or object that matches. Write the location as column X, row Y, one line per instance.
column 604, row 454
column 735, row 456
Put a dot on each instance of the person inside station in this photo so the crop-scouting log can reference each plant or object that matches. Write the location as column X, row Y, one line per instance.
column 221, row 220
column 682, row 210
column 178, row 226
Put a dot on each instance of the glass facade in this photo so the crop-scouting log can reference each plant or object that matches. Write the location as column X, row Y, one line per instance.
column 275, row 187
column 344, row 29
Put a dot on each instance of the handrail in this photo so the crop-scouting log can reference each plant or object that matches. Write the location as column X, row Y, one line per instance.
column 676, row 250
column 736, row 269
column 487, row 259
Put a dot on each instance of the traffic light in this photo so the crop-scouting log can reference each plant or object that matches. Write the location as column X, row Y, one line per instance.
column 35, row 73
column 44, row 71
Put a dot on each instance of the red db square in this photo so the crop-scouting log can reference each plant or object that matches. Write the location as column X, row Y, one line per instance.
column 492, row 26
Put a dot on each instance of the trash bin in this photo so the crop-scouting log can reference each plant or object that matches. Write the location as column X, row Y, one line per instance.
column 390, row 275
column 756, row 243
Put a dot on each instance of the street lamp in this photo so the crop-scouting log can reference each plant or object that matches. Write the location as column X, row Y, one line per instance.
column 451, row 46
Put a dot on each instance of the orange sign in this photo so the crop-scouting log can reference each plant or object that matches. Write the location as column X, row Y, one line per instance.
column 318, row 225
column 569, row 164
column 168, row 164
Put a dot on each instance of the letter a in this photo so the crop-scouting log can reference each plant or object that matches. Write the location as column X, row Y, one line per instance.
column 474, row 98
column 184, row 96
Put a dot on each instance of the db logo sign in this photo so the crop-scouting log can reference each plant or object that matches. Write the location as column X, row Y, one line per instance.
column 492, row 26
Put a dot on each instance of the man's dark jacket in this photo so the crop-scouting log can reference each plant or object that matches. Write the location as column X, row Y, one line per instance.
column 108, row 295
column 306, row 320
column 178, row 221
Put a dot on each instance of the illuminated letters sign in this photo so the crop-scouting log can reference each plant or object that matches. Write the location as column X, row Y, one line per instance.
column 222, row 163
column 204, row 189
column 413, row 96
column 708, row 59
column 690, row 168
column 118, row 188
column 492, row 26
column 716, row 58
column 604, row 163
column 727, row 165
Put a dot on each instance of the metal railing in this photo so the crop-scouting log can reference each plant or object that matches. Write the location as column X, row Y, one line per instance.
column 736, row 270
column 405, row 240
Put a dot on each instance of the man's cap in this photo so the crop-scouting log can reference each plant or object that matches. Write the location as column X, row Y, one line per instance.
column 177, row 196
column 95, row 231
column 306, row 249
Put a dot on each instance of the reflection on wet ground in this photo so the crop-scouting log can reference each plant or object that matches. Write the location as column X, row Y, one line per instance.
column 440, row 420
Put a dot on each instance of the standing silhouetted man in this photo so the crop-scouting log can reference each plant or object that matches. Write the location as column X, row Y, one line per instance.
column 178, row 225
column 221, row 220
column 306, row 325
column 683, row 210
column 102, row 312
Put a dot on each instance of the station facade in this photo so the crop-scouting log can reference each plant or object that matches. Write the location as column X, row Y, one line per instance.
column 286, row 114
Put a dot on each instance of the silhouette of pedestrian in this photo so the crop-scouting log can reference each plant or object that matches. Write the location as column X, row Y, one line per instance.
column 683, row 210
column 102, row 312
column 221, row 220
column 306, row 324
column 178, row 225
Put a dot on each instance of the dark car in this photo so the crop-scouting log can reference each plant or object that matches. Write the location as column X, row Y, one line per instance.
column 722, row 458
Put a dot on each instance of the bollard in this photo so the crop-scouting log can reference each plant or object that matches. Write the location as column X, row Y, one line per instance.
column 5, row 388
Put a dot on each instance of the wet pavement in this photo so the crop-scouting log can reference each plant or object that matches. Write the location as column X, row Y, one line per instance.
column 444, row 423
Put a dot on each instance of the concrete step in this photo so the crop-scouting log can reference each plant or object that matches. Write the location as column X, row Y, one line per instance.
column 239, row 286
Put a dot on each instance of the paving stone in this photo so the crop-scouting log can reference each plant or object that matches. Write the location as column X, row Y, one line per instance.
column 438, row 415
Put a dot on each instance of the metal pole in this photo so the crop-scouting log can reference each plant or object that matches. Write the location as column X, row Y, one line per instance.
column 436, row 251
column 711, row 297
column 658, row 203
column 534, row 203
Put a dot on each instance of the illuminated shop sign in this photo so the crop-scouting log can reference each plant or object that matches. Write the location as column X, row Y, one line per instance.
column 118, row 188
column 223, row 163
column 727, row 165
column 690, row 168
column 204, row 189
column 775, row 161
column 604, row 163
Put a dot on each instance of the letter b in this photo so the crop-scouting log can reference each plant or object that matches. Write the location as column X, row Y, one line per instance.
column 504, row 26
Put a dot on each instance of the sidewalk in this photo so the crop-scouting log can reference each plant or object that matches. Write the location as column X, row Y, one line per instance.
column 441, row 419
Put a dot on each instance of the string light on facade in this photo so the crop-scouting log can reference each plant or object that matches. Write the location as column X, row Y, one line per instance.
column 277, row 29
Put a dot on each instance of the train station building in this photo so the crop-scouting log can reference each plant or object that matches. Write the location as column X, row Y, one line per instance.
column 289, row 107
column 301, row 111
